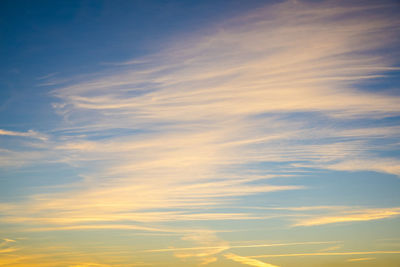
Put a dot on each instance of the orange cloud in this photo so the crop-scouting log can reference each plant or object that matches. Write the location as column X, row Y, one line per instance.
column 248, row 261
column 350, row 216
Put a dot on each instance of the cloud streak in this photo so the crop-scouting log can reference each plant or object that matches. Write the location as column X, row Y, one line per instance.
column 350, row 216
column 326, row 254
column 248, row 261
column 30, row 133
column 361, row 259
column 244, row 246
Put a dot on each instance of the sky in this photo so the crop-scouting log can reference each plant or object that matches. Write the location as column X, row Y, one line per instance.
column 199, row 133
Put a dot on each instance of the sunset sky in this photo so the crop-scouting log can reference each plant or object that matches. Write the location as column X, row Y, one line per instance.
column 199, row 133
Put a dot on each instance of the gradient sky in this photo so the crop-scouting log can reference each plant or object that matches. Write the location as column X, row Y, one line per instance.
column 199, row 133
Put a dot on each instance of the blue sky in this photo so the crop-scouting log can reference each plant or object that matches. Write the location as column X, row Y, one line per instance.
column 187, row 133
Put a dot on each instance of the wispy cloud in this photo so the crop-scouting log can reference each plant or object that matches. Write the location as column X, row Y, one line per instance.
column 8, row 250
column 90, row 265
column 195, row 126
column 47, row 76
column 350, row 216
column 326, row 254
column 248, row 261
column 244, row 246
column 8, row 246
column 207, row 253
column 30, row 133
column 6, row 241
column 361, row 259
column 331, row 248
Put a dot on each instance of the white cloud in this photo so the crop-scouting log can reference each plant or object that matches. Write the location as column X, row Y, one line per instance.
column 30, row 133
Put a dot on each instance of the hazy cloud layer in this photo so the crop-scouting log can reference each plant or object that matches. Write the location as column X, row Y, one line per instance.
column 212, row 118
